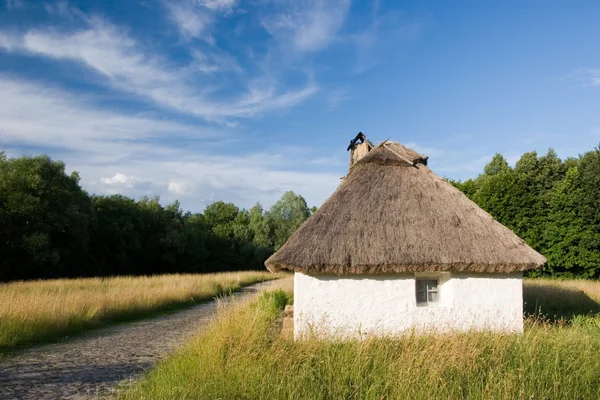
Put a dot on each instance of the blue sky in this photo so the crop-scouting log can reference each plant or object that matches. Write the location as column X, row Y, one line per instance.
column 205, row 100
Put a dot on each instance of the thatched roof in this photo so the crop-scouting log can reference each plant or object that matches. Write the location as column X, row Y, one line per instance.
column 391, row 213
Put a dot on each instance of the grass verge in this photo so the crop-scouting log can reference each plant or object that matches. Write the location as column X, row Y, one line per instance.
column 38, row 311
column 241, row 356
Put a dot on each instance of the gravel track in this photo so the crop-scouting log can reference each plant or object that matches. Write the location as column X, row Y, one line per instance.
column 92, row 365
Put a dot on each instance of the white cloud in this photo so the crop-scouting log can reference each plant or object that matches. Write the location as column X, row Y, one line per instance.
column 195, row 18
column 218, row 5
column 191, row 21
column 262, row 93
column 121, row 179
column 118, row 58
column 135, row 155
column 211, row 62
column 197, row 181
column 8, row 41
column 177, row 187
column 32, row 114
column 141, row 154
column 308, row 25
column 121, row 183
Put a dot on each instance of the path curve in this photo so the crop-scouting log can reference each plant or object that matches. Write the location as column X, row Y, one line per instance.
column 92, row 365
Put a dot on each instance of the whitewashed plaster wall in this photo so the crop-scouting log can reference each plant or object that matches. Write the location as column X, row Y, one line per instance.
column 386, row 304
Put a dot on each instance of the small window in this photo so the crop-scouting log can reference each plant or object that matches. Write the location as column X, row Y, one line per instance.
column 427, row 291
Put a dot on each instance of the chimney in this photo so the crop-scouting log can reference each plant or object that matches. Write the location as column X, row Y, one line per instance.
column 358, row 150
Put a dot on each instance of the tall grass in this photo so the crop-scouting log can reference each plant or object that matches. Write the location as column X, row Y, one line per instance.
column 40, row 310
column 242, row 356
column 561, row 299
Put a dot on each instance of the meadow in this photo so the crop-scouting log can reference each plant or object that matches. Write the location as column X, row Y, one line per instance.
column 34, row 311
column 243, row 356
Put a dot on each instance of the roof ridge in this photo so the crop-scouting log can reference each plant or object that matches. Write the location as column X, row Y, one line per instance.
column 399, row 155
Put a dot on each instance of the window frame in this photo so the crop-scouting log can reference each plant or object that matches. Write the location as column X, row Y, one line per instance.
column 427, row 291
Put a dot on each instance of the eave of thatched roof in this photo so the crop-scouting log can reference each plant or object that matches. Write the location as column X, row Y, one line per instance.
column 391, row 213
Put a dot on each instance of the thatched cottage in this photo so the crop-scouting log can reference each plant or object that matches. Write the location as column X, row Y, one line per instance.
column 397, row 248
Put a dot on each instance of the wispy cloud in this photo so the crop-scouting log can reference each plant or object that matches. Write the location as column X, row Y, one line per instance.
column 191, row 20
column 216, row 61
column 195, row 18
column 591, row 75
column 155, row 152
column 309, row 25
column 142, row 155
column 581, row 76
column 242, row 179
column 218, row 5
column 34, row 114
column 129, row 66
column 8, row 41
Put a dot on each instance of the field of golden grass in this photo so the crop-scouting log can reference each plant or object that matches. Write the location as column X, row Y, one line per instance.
column 561, row 300
column 39, row 310
column 242, row 356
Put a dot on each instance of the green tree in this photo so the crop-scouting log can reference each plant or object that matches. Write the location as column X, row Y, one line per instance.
column 115, row 236
column 262, row 237
column 223, row 249
column 570, row 239
column 536, row 179
column 589, row 169
column 498, row 165
column 242, row 232
column 519, row 198
column 43, row 219
column 286, row 216
column 468, row 187
column 499, row 194
column 196, row 251
column 553, row 205
column 260, row 227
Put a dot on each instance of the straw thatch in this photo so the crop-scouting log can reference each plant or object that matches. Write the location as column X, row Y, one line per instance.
column 391, row 213
column 359, row 151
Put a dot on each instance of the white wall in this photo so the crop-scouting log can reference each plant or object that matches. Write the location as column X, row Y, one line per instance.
column 343, row 305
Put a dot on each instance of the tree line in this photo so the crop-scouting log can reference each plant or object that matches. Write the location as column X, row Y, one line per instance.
column 50, row 227
column 553, row 204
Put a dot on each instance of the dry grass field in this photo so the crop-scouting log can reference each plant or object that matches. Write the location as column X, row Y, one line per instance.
column 40, row 310
column 242, row 356
column 562, row 300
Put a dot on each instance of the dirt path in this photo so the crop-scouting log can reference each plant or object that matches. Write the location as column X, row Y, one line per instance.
column 92, row 365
